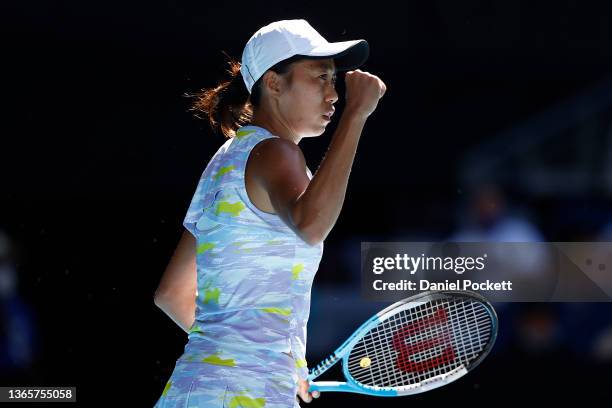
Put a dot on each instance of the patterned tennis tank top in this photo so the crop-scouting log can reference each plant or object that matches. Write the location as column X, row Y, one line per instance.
column 254, row 274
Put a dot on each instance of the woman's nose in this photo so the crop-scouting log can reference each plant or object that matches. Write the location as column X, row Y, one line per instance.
column 332, row 95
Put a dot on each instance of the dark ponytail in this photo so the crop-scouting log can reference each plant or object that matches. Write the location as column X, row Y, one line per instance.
column 228, row 106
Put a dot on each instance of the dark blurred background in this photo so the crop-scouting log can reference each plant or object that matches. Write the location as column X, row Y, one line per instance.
column 497, row 125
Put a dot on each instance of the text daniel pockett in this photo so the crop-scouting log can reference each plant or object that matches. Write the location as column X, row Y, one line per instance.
column 459, row 284
column 459, row 265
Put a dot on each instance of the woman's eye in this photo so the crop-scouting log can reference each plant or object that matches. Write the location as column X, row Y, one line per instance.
column 324, row 76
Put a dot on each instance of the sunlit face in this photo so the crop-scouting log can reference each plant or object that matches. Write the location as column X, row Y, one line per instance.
column 306, row 103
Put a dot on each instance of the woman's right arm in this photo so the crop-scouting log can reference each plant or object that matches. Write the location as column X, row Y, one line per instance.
column 311, row 207
column 176, row 292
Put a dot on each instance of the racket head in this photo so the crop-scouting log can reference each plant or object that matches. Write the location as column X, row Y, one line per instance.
column 420, row 343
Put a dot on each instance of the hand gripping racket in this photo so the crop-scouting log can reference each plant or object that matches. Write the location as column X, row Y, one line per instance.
column 415, row 345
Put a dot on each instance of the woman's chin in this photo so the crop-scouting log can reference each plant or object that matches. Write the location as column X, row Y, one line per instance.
column 324, row 126
column 316, row 130
column 320, row 131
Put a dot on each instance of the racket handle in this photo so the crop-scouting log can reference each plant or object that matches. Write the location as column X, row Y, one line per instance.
column 325, row 386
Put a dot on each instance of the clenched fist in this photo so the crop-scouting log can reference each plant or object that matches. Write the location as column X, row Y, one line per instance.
column 363, row 91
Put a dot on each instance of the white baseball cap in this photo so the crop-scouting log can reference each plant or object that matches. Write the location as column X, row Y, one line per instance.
column 281, row 40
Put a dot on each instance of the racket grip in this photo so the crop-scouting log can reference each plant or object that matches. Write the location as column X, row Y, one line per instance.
column 325, row 386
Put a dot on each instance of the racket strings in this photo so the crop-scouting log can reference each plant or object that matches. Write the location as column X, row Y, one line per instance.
column 401, row 358
column 439, row 363
column 431, row 352
column 421, row 343
column 377, row 341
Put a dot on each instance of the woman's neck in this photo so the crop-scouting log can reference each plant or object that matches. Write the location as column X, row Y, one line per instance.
column 274, row 126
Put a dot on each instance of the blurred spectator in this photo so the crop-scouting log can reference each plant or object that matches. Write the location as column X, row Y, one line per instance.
column 602, row 346
column 489, row 218
column 538, row 328
column 16, row 318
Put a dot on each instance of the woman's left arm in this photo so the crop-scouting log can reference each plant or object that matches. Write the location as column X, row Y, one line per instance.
column 176, row 293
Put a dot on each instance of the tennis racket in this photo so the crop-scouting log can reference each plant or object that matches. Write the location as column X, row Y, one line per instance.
column 415, row 345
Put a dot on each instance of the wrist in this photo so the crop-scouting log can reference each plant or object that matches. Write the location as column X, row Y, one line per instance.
column 351, row 123
column 354, row 115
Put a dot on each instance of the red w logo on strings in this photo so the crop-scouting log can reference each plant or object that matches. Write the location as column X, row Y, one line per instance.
column 435, row 332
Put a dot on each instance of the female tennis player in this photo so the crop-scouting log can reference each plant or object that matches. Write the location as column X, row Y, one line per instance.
column 239, row 281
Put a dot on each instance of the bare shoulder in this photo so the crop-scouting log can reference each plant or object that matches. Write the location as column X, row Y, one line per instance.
column 275, row 175
column 276, row 155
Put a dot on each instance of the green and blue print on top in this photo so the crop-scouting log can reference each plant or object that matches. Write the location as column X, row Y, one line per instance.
column 254, row 280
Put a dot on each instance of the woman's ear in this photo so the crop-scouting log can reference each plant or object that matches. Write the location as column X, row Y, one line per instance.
column 272, row 83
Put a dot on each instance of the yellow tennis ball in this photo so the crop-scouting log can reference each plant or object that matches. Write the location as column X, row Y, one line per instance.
column 365, row 362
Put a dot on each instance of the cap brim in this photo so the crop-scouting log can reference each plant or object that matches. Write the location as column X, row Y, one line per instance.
column 346, row 54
